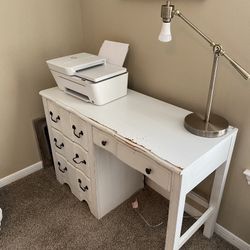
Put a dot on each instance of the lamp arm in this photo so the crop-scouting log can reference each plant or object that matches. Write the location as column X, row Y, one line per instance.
column 237, row 66
column 194, row 27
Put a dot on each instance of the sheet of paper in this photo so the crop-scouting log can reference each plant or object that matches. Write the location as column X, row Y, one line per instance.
column 114, row 52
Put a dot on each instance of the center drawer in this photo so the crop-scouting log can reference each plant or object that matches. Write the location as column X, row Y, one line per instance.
column 133, row 158
column 145, row 165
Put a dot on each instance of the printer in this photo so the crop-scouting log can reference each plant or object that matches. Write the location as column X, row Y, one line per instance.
column 89, row 77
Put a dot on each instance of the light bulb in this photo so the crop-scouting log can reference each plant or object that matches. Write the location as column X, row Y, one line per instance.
column 165, row 35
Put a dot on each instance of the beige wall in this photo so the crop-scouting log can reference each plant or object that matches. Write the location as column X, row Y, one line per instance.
column 179, row 72
column 32, row 31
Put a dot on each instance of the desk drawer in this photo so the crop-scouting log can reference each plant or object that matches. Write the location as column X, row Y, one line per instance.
column 145, row 165
column 60, row 165
column 59, row 118
column 64, row 172
column 104, row 140
column 61, row 144
column 79, row 131
column 78, row 157
column 82, row 188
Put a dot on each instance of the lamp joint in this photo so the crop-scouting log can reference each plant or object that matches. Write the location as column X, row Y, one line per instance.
column 218, row 50
column 176, row 12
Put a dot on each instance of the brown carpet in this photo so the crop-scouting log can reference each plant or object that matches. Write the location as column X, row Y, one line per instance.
column 39, row 213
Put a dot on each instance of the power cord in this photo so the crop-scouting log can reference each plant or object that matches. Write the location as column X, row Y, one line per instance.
column 135, row 206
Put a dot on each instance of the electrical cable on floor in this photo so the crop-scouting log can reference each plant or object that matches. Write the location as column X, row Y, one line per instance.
column 147, row 223
column 135, row 206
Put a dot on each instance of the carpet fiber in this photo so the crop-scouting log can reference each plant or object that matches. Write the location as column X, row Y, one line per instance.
column 39, row 213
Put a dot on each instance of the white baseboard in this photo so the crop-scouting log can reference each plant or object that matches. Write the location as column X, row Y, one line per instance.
column 231, row 238
column 221, row 231
column 20, row 174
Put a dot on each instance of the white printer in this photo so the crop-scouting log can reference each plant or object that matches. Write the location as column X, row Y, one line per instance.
column 89, row 77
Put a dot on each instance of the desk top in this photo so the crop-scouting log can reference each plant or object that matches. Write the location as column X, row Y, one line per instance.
column 153, row 125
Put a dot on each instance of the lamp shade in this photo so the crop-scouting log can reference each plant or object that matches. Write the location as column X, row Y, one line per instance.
column 165, row 35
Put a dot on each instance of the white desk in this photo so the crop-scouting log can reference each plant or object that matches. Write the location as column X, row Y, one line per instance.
column 95, row 145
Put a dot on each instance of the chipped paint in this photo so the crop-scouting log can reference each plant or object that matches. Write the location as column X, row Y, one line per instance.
column 146, row 124
column 141, row 149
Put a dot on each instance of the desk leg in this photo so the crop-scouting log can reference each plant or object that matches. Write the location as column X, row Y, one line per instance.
column 217, row 191
column 215, row 199
column 175, row 214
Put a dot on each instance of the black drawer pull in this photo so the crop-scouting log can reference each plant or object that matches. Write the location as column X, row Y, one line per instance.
column 52, row 119
column 78, row 162
column 58, row 146
column 104, row 143
column 74, row 131
column 84, row 189
column 148, row 170
column 59, row 167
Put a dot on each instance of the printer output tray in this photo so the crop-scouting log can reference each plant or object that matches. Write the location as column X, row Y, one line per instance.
column 98, row 93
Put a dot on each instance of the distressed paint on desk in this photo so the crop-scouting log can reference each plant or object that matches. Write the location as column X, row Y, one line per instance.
column 134, row 119
column 155, row 129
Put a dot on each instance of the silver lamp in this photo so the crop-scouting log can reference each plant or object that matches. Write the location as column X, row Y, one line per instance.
column 210, row 125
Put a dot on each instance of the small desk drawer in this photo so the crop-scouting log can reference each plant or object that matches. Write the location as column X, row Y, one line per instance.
column 79, row 158
column 104, row 140
column 59, row 118
column 79, row 131
column 82, row 188
column 63, row 173
column 55, row 116
column 60, row 143
column 145, row 165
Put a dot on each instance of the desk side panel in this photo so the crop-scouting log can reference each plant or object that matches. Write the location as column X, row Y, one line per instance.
column 209, row 162
column 115, row 182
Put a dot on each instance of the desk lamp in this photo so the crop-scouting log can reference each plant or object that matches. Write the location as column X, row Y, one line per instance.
column 211, row 125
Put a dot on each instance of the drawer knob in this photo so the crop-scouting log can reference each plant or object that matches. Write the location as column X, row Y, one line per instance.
column 84, row 189
column 104, row 143
column 148, row 170
column 78, row 162
column 52, row 119
column 79, row 135
column 59, row 167
column 58, row 146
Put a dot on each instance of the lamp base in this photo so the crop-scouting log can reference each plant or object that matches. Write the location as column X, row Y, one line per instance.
column 196, row 124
